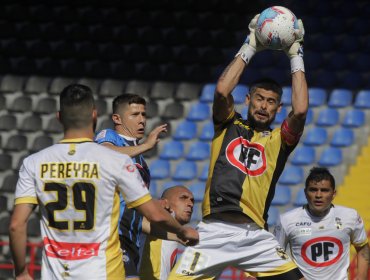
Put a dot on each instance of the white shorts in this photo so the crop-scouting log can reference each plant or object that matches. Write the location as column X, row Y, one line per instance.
column 243, row 246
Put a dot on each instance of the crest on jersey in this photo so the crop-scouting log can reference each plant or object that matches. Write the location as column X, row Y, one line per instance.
column 322, row 251
column 338, row 223
column 281, row 253
column 101, row 135
column 247, row 156
column 130, row 167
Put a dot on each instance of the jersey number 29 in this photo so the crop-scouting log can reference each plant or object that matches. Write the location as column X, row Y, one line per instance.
column 83, row 200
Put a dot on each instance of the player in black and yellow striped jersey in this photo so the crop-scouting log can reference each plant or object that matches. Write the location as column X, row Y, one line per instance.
column 247, row 159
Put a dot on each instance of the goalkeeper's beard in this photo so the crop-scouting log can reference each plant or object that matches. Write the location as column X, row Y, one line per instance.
column 258, row 125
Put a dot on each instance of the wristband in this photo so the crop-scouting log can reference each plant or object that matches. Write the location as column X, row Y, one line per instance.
column 246, row 53
column 296, row 64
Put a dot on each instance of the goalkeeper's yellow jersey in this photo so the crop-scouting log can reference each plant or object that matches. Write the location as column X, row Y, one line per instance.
column 245, row 166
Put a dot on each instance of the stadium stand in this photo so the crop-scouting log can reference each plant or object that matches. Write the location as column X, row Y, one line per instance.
column 198, row 151
column 185, row 170
column 172, row 150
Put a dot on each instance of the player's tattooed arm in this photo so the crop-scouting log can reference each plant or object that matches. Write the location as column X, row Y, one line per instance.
column 363, row 259
column 223, row 103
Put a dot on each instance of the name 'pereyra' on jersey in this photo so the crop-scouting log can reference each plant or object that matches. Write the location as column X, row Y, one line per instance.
column 76, row 184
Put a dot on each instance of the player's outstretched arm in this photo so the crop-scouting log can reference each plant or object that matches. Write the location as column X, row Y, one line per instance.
column 159, row 217
column 296, row 118
column 148, row 144
column 223, row 103
column 363, row 259
column 18, row 239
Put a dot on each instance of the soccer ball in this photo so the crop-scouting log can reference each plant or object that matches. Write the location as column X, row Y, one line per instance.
column 275, row 28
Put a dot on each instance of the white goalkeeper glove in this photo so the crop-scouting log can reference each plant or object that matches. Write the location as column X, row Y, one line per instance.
column 295, row 51
column 251, row 45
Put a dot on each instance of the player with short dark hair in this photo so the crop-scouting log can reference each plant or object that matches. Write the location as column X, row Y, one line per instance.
column 247, row 159
column 320, row 234
column 129, row 119
column 76, row 184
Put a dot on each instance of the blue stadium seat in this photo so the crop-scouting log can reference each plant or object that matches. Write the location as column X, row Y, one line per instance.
column 317, row 97
column 172, row 150
column 186, row 130
column 286, row 98
column 354, row 118
column 198, row 189
column 328, row 117
column 273, row 216
column 207, row 94
column 303, row 155
column 282, row 195
column 239, row 93
column 207, row 132
column 185, row 170
column 362, row 100
column 291, row 175
column 244, row 112
column 343, row 137
column 198, row 151
column 309, row 116
column 169, row 184
column 280, row 117
column 153, row 189
column 331, row 156
column 316, row 136
column 300, row 198
column 340, row 98
column 199, row 112
column 160, row 169
column 204, row 172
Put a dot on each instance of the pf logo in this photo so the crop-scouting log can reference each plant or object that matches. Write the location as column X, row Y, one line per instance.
column 247, row 157
column 322, row 251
